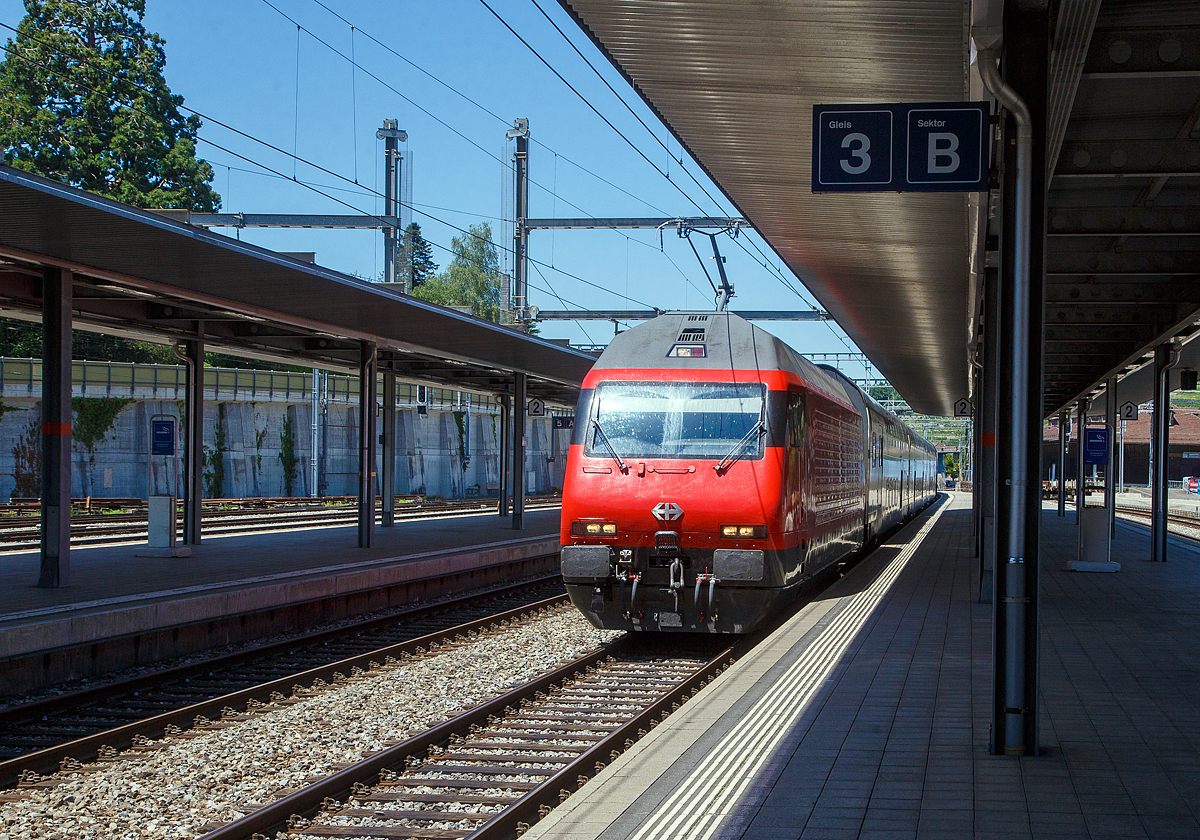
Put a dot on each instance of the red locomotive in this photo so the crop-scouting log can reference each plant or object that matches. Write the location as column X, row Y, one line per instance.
column 713, row 470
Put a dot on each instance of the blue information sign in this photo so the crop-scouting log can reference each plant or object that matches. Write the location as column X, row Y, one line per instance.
column 1095, row 447
column 162, row 436
column 914, row 147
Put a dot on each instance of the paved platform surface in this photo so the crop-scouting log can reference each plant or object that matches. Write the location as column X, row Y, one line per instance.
column 116, row 572
column 866, row 715
column 115, row 594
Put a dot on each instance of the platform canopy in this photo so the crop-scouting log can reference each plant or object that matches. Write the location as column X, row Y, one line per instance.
column 141, row 275
column 735, row 82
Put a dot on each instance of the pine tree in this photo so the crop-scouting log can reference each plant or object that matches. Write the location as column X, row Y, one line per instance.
column 418, row 257
column 83, row 100
column 473, row 276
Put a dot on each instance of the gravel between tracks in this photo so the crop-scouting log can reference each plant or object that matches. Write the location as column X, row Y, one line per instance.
column 210, row 777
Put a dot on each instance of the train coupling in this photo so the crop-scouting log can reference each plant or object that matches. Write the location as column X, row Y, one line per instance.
column 631, row 614
column 712, row 581
column 675, row 583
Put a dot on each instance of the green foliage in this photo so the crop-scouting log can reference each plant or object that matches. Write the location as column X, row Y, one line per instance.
column 416, row 258
column 287, row 453
column 472, row 278
column 4, row 409
column 950, row 465
column 460, row 420
column 23, row 340
column 94, row 417
column 27, row 460
column 214, row 459
column 259, row 436
column 83, row 100
column 884, row 393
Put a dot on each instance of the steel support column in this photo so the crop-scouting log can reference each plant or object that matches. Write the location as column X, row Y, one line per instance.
column 505, row 453
column 1064, row 429
column 57, row 293
column 367, row 437
column 518, row 454
column 390, row 134
column 988, row 418
column 388, row 468
column 1110, row 482
column 193, row 438
column 1165, row 357
column 520, row 293
column 1080, row 474
column 1022, row 94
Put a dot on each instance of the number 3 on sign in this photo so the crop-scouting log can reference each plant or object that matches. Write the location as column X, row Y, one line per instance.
column 864, row 159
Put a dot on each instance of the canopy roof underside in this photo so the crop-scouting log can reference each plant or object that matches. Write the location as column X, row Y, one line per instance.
column 736, row 82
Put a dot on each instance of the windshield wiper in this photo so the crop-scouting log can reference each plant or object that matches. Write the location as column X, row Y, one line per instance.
column 608, row 443
column 739, row 447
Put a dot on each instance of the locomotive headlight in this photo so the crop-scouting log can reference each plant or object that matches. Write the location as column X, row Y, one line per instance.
column 745, row 532
column 594, row 529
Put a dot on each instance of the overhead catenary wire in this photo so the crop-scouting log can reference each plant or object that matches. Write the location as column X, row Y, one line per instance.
column 318, row 191
column 634, row 113
column 293, row 155
column 554, row 191
column 269, row 172
column 485, row 109
column 592, row 107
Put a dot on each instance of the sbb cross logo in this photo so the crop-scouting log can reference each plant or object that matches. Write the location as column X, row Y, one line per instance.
column 667, row 511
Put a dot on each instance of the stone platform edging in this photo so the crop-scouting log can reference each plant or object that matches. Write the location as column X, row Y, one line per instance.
column 90, row 622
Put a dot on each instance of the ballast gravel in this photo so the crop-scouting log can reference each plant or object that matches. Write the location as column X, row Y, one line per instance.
column 214, row 776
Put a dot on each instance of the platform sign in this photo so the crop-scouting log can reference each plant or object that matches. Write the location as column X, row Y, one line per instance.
column 1095, row 447
column 963, row 408
column 162, row 436
column 564, row 422
column 913, row 147
column 536, row 408
column 1129, row 410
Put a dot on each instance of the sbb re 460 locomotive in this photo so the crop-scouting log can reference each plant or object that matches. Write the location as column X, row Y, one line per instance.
column 713, row 470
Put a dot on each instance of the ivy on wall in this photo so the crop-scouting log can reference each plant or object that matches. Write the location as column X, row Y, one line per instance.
column 287, row 453
column 214, row 459
column 460, row 421
column 27, row 460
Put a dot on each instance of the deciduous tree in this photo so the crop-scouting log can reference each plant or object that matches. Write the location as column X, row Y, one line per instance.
column 473, row 276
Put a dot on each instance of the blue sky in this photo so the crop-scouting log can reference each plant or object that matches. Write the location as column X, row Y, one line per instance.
column 244, row 63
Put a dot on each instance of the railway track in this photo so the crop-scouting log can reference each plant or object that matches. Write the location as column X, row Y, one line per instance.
column 37, row 737
column 497, row 768
column 484, row 762
column 23, row 533
column 1183, row 525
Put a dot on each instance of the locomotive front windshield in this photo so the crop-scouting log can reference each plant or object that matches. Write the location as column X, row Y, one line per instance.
column 676, row 420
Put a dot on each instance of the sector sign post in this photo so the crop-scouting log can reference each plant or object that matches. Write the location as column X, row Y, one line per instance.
column 913, row 147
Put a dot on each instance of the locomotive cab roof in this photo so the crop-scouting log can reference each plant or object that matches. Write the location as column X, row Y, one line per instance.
column 729, row 342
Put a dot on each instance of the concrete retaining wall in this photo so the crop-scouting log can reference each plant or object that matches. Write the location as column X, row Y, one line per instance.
column 428, row 455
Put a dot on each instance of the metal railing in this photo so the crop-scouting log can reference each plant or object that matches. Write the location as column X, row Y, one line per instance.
column 23, row 378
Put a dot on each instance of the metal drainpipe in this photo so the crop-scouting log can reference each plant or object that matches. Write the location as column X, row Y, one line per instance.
column 1015, row 599
column 1063, row 424
column 1166, row 356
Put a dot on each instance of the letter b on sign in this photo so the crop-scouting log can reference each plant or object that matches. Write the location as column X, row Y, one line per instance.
column 943, row 152
column 945, row 146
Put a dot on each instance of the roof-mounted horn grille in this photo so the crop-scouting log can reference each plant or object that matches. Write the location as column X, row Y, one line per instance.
column 692, row 334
